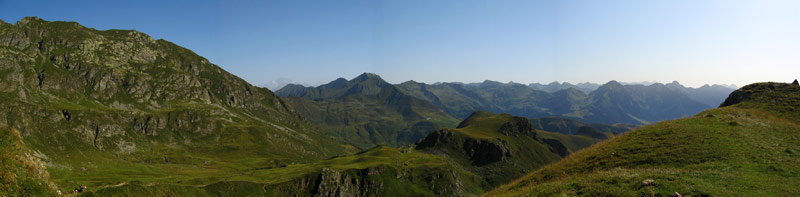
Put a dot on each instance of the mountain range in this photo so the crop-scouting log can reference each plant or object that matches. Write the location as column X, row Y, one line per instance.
column 366, row 111
column 555, row 86
column 129, row 115
column 610, row 103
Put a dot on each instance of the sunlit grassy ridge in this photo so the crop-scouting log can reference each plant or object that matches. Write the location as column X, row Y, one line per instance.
column 748, row 148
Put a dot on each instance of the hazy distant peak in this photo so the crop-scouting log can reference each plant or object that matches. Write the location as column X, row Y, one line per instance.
column 411, row 82
column 366, row 76
column 491, row 82
column 612, row 83
column 279, row 83
column 293, row 85
column 338, row 83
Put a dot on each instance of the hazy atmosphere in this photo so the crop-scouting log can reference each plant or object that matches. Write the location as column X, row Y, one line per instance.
column 740, row 42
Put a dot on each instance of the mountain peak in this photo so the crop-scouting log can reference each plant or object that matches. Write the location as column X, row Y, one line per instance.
column 339, row 80
column 611, row 84
column 29, row 19
column 366, row 76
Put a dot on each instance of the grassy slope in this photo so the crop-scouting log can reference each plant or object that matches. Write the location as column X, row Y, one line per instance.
column 573, row 142
column 402, row 172
column 21, row 173
column 748, row 149
column 206, row 123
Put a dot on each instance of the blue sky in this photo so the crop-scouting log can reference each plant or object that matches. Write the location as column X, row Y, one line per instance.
column 692, row 41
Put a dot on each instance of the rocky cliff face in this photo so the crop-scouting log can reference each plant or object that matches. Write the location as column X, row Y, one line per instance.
column 76, row 92
column 517, row 126
column 479, row 151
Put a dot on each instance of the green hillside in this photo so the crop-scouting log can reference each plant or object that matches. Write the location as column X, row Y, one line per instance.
column 747, row 147
column 366, row 111
column 501, row 147
column 103, row 108
column 380, row 171
column 21, row 173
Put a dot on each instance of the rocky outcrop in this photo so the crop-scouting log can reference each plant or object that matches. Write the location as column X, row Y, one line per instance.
column 483, row 152
column 557, row 147
column 480, row 151
column 442, row 136
column 367, row 182
column 123, row 92
column 795, row 83
column 335, row 183
column 517, row 126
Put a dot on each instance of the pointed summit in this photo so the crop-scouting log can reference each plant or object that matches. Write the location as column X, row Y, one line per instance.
column 795, row 83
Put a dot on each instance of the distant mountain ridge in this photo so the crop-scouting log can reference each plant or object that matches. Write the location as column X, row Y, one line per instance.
column 610, row 103
column 645, row 103
column 277, row 84
column 366, row 111
column 585, row 87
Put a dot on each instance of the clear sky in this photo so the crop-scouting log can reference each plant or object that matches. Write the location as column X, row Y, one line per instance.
column 692, row 41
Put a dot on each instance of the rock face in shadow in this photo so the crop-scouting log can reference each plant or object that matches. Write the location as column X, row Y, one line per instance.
column 331, row 182
column 517, row 126
column 442, row 136
column 480, row 151
column 368, row 182
column 557, row 147
column 483, row 152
